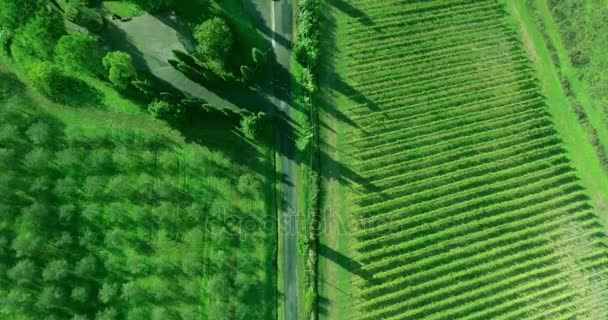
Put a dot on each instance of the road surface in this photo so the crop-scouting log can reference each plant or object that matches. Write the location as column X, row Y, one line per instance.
column 281, row 25
column 274, row 19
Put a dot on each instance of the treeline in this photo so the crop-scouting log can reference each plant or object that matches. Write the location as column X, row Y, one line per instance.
column 57, row 64
column 306, row 52
column 99, row 224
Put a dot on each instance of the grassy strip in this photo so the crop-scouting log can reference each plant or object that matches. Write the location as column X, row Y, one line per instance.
column 583, row 155
column 304, row 66
column 123, row 9
column 590, row 117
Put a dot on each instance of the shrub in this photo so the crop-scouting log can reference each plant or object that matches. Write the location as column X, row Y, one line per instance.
column 48, row 79
column 215, row 41
column 120, row 68
column 78, row 52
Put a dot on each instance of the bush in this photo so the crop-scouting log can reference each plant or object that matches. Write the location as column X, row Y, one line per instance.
column 215, row 41
column 38, row 37
column 48, row 79
column 252, row 125
column 78, row 52
column 120, row 68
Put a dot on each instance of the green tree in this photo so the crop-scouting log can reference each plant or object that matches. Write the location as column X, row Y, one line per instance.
column 38, row 37
column 86, row 267
column 49, row 80
column 26, row 244
column 18, row 300
column 39, row 133
column 55, row 270
column 108, row 292
column 215, row 41
column 79, row 52
column 15, row 13
column 120, row 68
column 50, row 297
column 79, row 294
column 252, row 125
column 24, row 272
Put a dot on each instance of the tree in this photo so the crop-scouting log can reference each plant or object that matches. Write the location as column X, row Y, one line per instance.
column 79, row 294
column 49, row 80
column 18, row 299
column 78, row 52
column 161, row 109
column 38, row 37
column 55, row 270
column 252, row 125
column 39, row 133
column 215, row 40
column 23, row 273
column 120, row 68
column 26, row 244
column 107, row 314
column 108, row 292
column 15, row 13
column 86, row 267
column 50, row 297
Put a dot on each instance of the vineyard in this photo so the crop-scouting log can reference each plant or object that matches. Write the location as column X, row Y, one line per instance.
column 467, row 206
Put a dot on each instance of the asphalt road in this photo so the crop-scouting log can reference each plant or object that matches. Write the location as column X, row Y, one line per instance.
column 281, row 24
column 274, row 19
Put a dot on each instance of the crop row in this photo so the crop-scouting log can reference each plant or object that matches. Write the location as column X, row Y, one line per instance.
column 481, row 208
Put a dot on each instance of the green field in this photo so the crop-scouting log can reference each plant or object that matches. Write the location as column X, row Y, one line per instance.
column 464, row 198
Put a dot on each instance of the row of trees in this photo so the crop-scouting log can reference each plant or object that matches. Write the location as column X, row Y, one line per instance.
column 99, row 227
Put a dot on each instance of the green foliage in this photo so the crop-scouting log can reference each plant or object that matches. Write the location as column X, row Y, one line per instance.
column 259, row 58
column 215, row 41
column 252, row 125
column 48, row 79
column 16, row 13
column 84, row 16
column 123, row 9
column 120, row 68
column 37, row 38
column 79, row 52
column 154, row 6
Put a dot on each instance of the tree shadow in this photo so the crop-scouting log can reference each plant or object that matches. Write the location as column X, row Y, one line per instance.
column 352, row 11
column 258, row 19
column 345, row 262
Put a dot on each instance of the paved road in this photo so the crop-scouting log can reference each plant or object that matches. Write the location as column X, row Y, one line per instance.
column 282, row 27
column 274, row 19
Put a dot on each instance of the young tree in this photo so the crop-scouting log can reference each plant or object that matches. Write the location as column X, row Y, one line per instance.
column 120, row 68
column 23, row 273
column 86, row 267
column 215, row 40
column 79, row 52
column 55, row 270
column 39, row 133
column 79, row 294
column 108, row 292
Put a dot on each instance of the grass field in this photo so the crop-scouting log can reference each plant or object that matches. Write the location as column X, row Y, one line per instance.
column 464, row 198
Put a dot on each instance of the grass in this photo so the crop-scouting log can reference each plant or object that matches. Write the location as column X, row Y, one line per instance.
column 466, row 187
column 583, row 157
column 123, row 9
